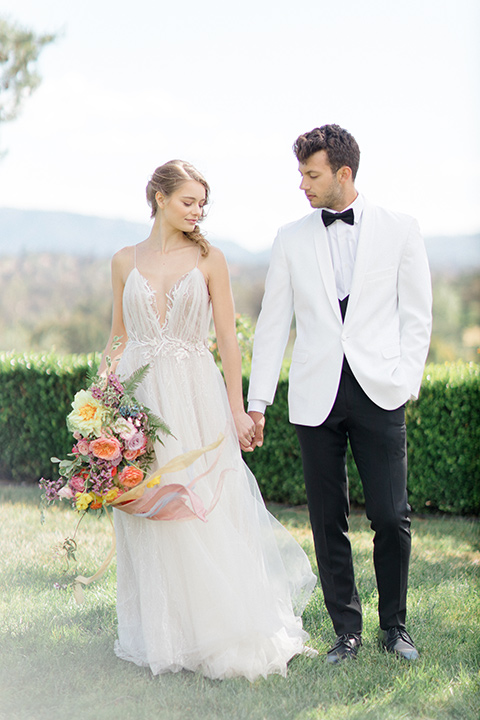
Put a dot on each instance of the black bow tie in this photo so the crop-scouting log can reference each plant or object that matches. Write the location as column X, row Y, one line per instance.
column 329, row 217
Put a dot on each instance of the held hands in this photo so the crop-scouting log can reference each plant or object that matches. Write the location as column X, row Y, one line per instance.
column 245, row 428
column 259, row 420
column 249, row 429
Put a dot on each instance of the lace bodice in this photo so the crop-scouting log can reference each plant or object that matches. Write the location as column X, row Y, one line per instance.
column 187, row 319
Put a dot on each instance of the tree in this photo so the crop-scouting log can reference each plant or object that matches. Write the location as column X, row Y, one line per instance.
column 19, row 52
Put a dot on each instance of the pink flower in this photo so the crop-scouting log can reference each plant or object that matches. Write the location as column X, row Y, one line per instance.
column 83, row 446
column 131, row 454
column 65, row 492
column 77, row 483
column 137, row 442
column 106, row 448
column 125, row 428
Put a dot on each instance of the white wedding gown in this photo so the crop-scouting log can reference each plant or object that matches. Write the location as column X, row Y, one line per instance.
column 223, row 597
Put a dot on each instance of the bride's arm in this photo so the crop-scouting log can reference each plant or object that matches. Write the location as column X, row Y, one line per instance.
column 118, row 328
column 224, row 319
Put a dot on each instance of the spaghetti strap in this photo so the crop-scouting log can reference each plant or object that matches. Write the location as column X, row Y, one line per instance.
column 135, row 256
column 198, row 257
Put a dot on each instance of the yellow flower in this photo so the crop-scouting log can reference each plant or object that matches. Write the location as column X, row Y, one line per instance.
column 97, row 502
column 154, row 481
column 83, row 500
column 87, row 414
column 111, row 494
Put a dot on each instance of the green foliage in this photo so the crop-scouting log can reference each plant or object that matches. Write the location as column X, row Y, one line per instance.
column 443, row 440
column 36, row 392
column 456, row 317
column 19, row 52
column 245, row 331
column 443, row 432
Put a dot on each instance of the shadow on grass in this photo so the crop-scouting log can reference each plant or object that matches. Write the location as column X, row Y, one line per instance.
column 33, row 578
column 57, row 659
column 82, row 666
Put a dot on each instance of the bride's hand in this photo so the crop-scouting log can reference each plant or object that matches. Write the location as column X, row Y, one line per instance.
column 245, row 428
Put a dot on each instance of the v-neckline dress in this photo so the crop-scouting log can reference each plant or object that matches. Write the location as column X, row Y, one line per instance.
column 222, row 597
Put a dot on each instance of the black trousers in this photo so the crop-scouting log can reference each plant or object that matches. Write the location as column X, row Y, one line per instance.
column 378, row 441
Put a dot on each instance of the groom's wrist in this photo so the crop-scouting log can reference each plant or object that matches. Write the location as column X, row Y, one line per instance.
column 257, row 406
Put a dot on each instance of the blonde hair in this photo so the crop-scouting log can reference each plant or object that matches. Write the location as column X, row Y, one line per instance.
column 169, row 177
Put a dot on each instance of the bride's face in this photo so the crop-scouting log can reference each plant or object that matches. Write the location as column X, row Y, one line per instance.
column 183, row 208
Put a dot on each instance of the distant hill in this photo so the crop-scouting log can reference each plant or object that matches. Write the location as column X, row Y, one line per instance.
column 454, row 254
column 36, row 231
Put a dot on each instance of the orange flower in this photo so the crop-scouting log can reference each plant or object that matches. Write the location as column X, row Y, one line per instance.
column 130, row 476
column 106, row 448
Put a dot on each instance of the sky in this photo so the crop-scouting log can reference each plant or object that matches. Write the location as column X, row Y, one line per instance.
column 229, row 87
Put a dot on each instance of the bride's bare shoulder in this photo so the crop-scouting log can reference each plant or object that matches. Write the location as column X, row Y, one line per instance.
column 215, row 269
column 123, row 261
column 216, row 258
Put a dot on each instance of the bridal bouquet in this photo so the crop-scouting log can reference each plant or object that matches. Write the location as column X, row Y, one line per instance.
column 113, row 448
column 114, row 435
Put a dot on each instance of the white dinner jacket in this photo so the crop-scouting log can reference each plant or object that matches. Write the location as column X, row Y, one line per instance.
column 386, row 333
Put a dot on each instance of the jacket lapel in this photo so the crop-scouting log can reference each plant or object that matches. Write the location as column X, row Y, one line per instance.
column 364, row 249
column 325, row 264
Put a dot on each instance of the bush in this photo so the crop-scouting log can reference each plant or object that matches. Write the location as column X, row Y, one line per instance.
column 443, row 433
column 444, row 440
column 36, row 392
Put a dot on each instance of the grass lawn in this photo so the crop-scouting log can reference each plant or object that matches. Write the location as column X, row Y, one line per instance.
column 57, row 660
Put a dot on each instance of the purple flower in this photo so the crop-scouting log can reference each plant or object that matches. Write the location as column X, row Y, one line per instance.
column 97, row 392
column 51, row 488
column 114, row 382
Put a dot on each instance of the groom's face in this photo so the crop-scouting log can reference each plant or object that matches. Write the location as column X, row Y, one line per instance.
column 319, row 183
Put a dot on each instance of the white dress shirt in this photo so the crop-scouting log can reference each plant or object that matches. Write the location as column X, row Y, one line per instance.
column 342, row 241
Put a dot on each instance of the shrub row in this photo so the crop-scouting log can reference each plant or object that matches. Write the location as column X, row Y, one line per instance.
column 36, row 392
column 443, row 432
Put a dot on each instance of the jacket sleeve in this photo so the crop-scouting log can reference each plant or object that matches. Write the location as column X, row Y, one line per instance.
column 273, row 327
column 415, row 308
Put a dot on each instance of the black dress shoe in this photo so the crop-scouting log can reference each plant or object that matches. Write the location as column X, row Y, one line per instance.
column 397, row 640
column 346, row 646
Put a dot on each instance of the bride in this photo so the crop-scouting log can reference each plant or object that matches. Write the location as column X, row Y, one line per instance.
column 222, row 596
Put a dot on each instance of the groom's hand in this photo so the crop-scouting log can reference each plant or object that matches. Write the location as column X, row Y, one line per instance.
column 259, row 420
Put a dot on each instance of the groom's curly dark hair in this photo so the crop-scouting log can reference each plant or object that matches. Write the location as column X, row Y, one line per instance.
column 341, row 147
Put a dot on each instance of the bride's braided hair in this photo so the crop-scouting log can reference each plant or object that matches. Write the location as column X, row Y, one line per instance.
column 169, row 177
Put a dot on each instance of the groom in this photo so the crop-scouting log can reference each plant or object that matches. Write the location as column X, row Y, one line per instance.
column 356, row 277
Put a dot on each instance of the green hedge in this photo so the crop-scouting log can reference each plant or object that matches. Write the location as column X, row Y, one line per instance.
column 443, row 428
column 443, row 432
column 36, row 392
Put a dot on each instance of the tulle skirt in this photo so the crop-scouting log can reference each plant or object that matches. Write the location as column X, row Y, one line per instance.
column 223, row 597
